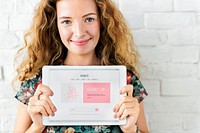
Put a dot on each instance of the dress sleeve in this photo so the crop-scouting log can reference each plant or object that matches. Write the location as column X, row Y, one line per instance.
column 27, row 89
column 139, row 91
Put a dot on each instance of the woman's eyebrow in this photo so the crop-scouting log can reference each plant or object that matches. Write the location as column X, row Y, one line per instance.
column 64, row 17
column 89, row 14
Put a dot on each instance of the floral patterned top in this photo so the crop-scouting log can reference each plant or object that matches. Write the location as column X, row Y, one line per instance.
column 28, row 89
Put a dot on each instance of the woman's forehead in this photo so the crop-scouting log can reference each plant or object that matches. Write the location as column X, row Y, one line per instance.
column 69, row 7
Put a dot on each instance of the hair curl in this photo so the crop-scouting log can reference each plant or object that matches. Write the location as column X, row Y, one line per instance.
column 44, row 46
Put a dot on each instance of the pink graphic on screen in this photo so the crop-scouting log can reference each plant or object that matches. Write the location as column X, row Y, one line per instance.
column 72, row 93
column 96, row 92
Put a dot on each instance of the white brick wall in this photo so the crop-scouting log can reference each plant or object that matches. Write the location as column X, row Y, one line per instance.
column 199, row 70
column 1, row 74
column 180, row 87
column 184, row 36
column 186, row 5
column 169, row 20
column 145, row 5
column 167, row 33
column 185, row 54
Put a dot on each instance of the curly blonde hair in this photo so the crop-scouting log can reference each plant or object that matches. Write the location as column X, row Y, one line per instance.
column 44, row 46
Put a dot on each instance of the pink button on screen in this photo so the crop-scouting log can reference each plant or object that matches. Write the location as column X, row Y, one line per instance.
column 96, row 92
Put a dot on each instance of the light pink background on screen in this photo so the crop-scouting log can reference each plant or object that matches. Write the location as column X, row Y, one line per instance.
column 99, row 94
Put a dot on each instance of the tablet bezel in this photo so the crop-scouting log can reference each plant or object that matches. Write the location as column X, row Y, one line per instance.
column 45, row 81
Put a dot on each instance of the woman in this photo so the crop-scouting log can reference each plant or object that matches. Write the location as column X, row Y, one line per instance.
column 77, row 33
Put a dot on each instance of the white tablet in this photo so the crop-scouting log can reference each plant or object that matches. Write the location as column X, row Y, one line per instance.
column 84, row 95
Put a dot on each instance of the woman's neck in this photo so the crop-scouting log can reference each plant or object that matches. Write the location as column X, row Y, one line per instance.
column 80, row 60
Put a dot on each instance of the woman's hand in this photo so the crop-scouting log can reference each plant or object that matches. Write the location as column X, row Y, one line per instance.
column 127, row 107
column 40, row 104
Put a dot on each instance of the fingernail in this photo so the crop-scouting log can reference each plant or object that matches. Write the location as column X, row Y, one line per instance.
column 53, row 114
column 118, row 116
column 114, row 109
column 54, row 109
column 115, row 115
column 120, row 92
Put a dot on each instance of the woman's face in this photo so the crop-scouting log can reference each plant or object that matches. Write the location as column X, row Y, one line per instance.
column 78, row 25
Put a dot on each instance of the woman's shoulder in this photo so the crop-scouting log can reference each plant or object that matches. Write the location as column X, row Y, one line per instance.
column 28, row 88
column 32, row 81
column 139, row 90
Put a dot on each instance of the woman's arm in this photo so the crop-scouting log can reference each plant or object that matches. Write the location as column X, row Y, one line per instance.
column 141, row 121
column 23, row 123
column 29, row 118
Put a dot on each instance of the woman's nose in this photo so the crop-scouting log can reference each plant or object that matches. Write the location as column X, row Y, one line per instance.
column 78, row 30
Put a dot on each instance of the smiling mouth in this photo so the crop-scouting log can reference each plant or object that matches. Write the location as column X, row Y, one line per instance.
column 80, row 42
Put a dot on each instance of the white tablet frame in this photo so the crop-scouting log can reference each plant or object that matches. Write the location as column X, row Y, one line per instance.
column 58, row 71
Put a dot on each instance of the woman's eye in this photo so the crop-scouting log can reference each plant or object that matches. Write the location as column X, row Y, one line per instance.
column 67, row 22
column 89, row 19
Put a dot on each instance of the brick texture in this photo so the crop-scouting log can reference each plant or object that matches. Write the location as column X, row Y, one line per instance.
column 169, row 20
column 187, row 5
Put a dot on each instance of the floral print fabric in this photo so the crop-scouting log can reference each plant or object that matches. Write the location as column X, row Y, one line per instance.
column 28, row 89
column 83, row 129
column 139, row 91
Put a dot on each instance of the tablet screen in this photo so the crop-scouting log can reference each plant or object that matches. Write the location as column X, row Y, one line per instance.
column 84, row 95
